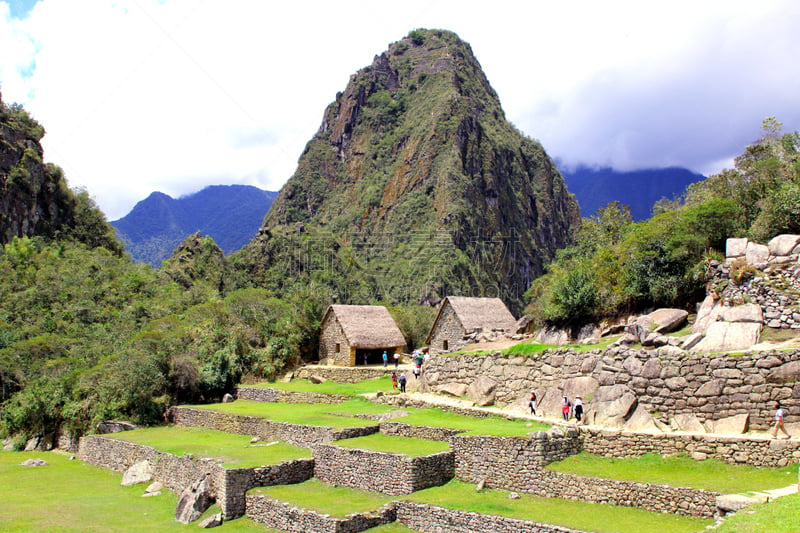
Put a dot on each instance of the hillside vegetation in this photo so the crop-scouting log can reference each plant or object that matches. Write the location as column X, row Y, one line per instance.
column 618, row 266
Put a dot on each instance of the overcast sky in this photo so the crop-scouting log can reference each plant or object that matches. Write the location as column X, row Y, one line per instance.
column 174, row 95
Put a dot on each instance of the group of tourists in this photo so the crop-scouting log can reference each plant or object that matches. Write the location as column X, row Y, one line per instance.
column 568, row 409
column 417, row 358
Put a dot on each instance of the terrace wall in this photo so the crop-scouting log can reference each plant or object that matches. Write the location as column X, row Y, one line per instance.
column 227, row 486
column 730, row 449
column 386, row 473
column 515, row 463
column 711, row 387
column 285, row 517
column 259, row 394
column 420, row 432
column 344, row 374
column 431, row 519
column 297, row 434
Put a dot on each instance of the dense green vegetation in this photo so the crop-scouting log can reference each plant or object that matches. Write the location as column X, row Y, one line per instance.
column 682, row 471
column 71, row 496
column 619, row 266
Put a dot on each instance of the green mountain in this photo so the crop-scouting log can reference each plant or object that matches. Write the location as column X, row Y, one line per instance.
column 230, row 214
column 414, row 187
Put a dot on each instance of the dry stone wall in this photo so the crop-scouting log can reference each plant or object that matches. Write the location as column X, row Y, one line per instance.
column 730, row 449
column 712, row 387
column 344, row 375
column 420, row 432
column 299, row 435
column 227, row 486
column 387, row 473
column 285, row 517
column 516, row 463
column 432, row 519
column 260, row 394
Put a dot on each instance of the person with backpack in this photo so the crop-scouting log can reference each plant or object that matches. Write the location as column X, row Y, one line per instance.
column 403, row 382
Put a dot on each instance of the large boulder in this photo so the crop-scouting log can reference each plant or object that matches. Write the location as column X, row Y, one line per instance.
column 729, row 337
column 689, row 423
column 706, row 315
column 666, row 320
column 641, row 421
column 552, row 335
column 612, row 405
column 786, row 373
column 582, row 386
column 193, row 501
column 756, row 253
column 141, row 472
column 783, row 244
column 214, row 520
column 732, row 425
column 482, row 391
column 735, row 248
column 457, row 390
column 742, row 313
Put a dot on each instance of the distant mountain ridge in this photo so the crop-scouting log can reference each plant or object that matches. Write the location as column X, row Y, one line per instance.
column 229, row 214
column 639, row 189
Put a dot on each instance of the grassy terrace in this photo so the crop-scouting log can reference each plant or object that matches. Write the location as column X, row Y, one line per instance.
column 577, row 515
column 383, row 384
column 341, row 415
column 234, row 451
column 776, row 516
column 391, row 444
column 71, row 496
column 341, row 501
column 680, row 472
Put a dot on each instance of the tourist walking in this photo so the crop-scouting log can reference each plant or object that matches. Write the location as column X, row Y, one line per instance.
column 394, row 380
column 416, row 371
column 385, row 359
column 403, row 382
column 565, row 407
column 578, row 409
column 396, row 359
column 532, row 402
column 779, row 416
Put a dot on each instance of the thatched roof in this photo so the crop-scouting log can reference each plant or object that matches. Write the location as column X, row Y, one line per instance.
column 474, row 313
column 366, row 326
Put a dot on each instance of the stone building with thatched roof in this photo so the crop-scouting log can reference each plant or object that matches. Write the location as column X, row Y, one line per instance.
column 461, row 316
column 351, row 333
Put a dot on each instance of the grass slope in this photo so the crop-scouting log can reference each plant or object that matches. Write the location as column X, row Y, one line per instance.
column 71, row 496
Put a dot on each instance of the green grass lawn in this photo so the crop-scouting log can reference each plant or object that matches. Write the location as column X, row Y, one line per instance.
column 235, row 451
column 379, row 442
column 341, row 415
column 394, row 527
column 71, row 496
column 314, row 414
column 493, row 425
column 680, row 471
column 532, row 348
column 333, row 500
column 577, row 515
column 776, row 516
column 383, row 384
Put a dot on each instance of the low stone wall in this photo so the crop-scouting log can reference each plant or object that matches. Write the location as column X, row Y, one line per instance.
column 227, row 486
column 285, row 517
column 431, row 519
column 297, row 434
column 420, row 432
column 712, row 387
column 730, row 449
column 352, row 374
column 387, row 473
column 259, row 394
column 515, row 463
column 401, row 400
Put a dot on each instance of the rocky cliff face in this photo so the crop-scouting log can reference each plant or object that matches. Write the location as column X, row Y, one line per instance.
column 423, row 184
column 34, row 199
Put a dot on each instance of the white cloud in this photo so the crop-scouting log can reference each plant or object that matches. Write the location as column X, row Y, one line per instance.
column 144, row 95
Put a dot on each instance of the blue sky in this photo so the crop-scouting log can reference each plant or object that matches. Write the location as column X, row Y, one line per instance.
column 174, row 95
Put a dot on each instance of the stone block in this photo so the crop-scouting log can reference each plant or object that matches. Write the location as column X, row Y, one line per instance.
column 735, row 248
column 783, row 244
column 733, row 425
column 756, row 253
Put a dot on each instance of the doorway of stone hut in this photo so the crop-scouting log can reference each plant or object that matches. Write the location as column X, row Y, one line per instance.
column 374, row 356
